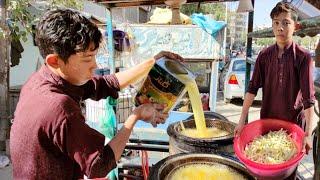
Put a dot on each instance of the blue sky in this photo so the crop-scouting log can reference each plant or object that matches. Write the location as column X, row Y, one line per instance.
column 262, row 9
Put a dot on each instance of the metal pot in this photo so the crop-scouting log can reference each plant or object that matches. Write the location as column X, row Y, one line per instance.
column 163, row 168
column 179, row 143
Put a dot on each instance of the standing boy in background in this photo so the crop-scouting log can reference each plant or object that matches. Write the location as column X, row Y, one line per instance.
column 284, row 72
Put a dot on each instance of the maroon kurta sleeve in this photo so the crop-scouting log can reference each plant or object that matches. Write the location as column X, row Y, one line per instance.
column 102, row 165
column 306, row 82
column 257, row 76
column 101, row 87
column 85, row 146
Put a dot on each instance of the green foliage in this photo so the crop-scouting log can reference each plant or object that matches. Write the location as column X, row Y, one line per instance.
column 74, row 4
column 264, row 41
column 20, row 15
column 1, row 33
column 307, row 42
column 217, row 9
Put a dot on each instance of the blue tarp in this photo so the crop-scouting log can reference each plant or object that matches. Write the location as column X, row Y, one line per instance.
column 207, row 24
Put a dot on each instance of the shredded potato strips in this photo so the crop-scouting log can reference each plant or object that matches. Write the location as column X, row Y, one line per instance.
column 272, row 148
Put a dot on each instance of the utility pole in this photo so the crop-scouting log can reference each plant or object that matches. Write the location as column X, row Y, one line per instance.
column 4, row 75
column 225, row 32
column 317, row 144
column 249, row 52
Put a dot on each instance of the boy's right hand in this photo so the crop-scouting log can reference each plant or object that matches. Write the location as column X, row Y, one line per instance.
column 169, row 55
column 151, row 113
column 238, row 129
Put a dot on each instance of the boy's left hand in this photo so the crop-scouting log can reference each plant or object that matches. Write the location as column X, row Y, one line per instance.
column 151, row 113
column 169, row 55
column 307, row 144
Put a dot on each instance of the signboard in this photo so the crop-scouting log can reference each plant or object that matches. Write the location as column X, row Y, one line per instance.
column 189, row 41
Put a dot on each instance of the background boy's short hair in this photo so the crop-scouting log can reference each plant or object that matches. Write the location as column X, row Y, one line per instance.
column 284, row 7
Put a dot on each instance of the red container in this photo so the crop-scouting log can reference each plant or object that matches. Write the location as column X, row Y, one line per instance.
column 261, row 127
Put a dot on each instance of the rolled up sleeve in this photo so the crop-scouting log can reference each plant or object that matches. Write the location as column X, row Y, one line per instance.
column 103, row 163
column 100, row 87
column 306, row 82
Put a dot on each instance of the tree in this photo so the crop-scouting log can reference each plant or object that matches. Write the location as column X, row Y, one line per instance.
column 4, row 69
column 264, row 41
column 19, row 13
column 217, row 9
column 307, row 42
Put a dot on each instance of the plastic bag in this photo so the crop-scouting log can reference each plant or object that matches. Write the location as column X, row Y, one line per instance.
column 107, row 123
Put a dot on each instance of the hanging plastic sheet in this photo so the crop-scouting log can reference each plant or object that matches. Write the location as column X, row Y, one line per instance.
column 207, row 24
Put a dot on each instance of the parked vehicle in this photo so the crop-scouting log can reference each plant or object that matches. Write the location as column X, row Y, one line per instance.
column 232, row 80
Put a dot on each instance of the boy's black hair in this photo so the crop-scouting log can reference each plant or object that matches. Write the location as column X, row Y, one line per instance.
column 284, row 7
column 65, row 32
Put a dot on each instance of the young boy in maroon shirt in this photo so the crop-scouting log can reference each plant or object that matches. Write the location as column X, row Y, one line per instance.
column 284, row 72
column 49, row 138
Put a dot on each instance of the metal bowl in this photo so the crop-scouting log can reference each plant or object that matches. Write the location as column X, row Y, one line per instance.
column 180, row 143
column 165, row 167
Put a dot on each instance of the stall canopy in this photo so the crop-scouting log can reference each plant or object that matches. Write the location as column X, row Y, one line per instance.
column 127, row 3
column 315, row 3
column 309, row 14
column 309, row 27
column 109, row 4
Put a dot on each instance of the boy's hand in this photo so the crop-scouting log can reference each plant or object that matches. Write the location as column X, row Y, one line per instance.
column 307, row 144
column 238, row 129
column 169, row 55
column 151, row 113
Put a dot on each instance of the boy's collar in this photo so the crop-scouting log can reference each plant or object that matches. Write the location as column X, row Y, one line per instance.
column 74, row 91
column 287, row 48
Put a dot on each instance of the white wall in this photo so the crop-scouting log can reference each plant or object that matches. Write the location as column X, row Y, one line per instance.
column 28, row 63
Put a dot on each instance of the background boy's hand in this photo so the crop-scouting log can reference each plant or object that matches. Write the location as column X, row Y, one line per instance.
column 151, row 113
column 307, row 144
column 238, row 129
column 169, row 55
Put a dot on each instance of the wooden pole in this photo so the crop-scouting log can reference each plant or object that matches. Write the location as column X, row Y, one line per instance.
column 317, row 160
column 249, row 53
column 317, row 156
column 317, row 55
column 175, row 15
column 4, row 75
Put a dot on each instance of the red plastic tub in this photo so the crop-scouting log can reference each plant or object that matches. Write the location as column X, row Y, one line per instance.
column 261, row 127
